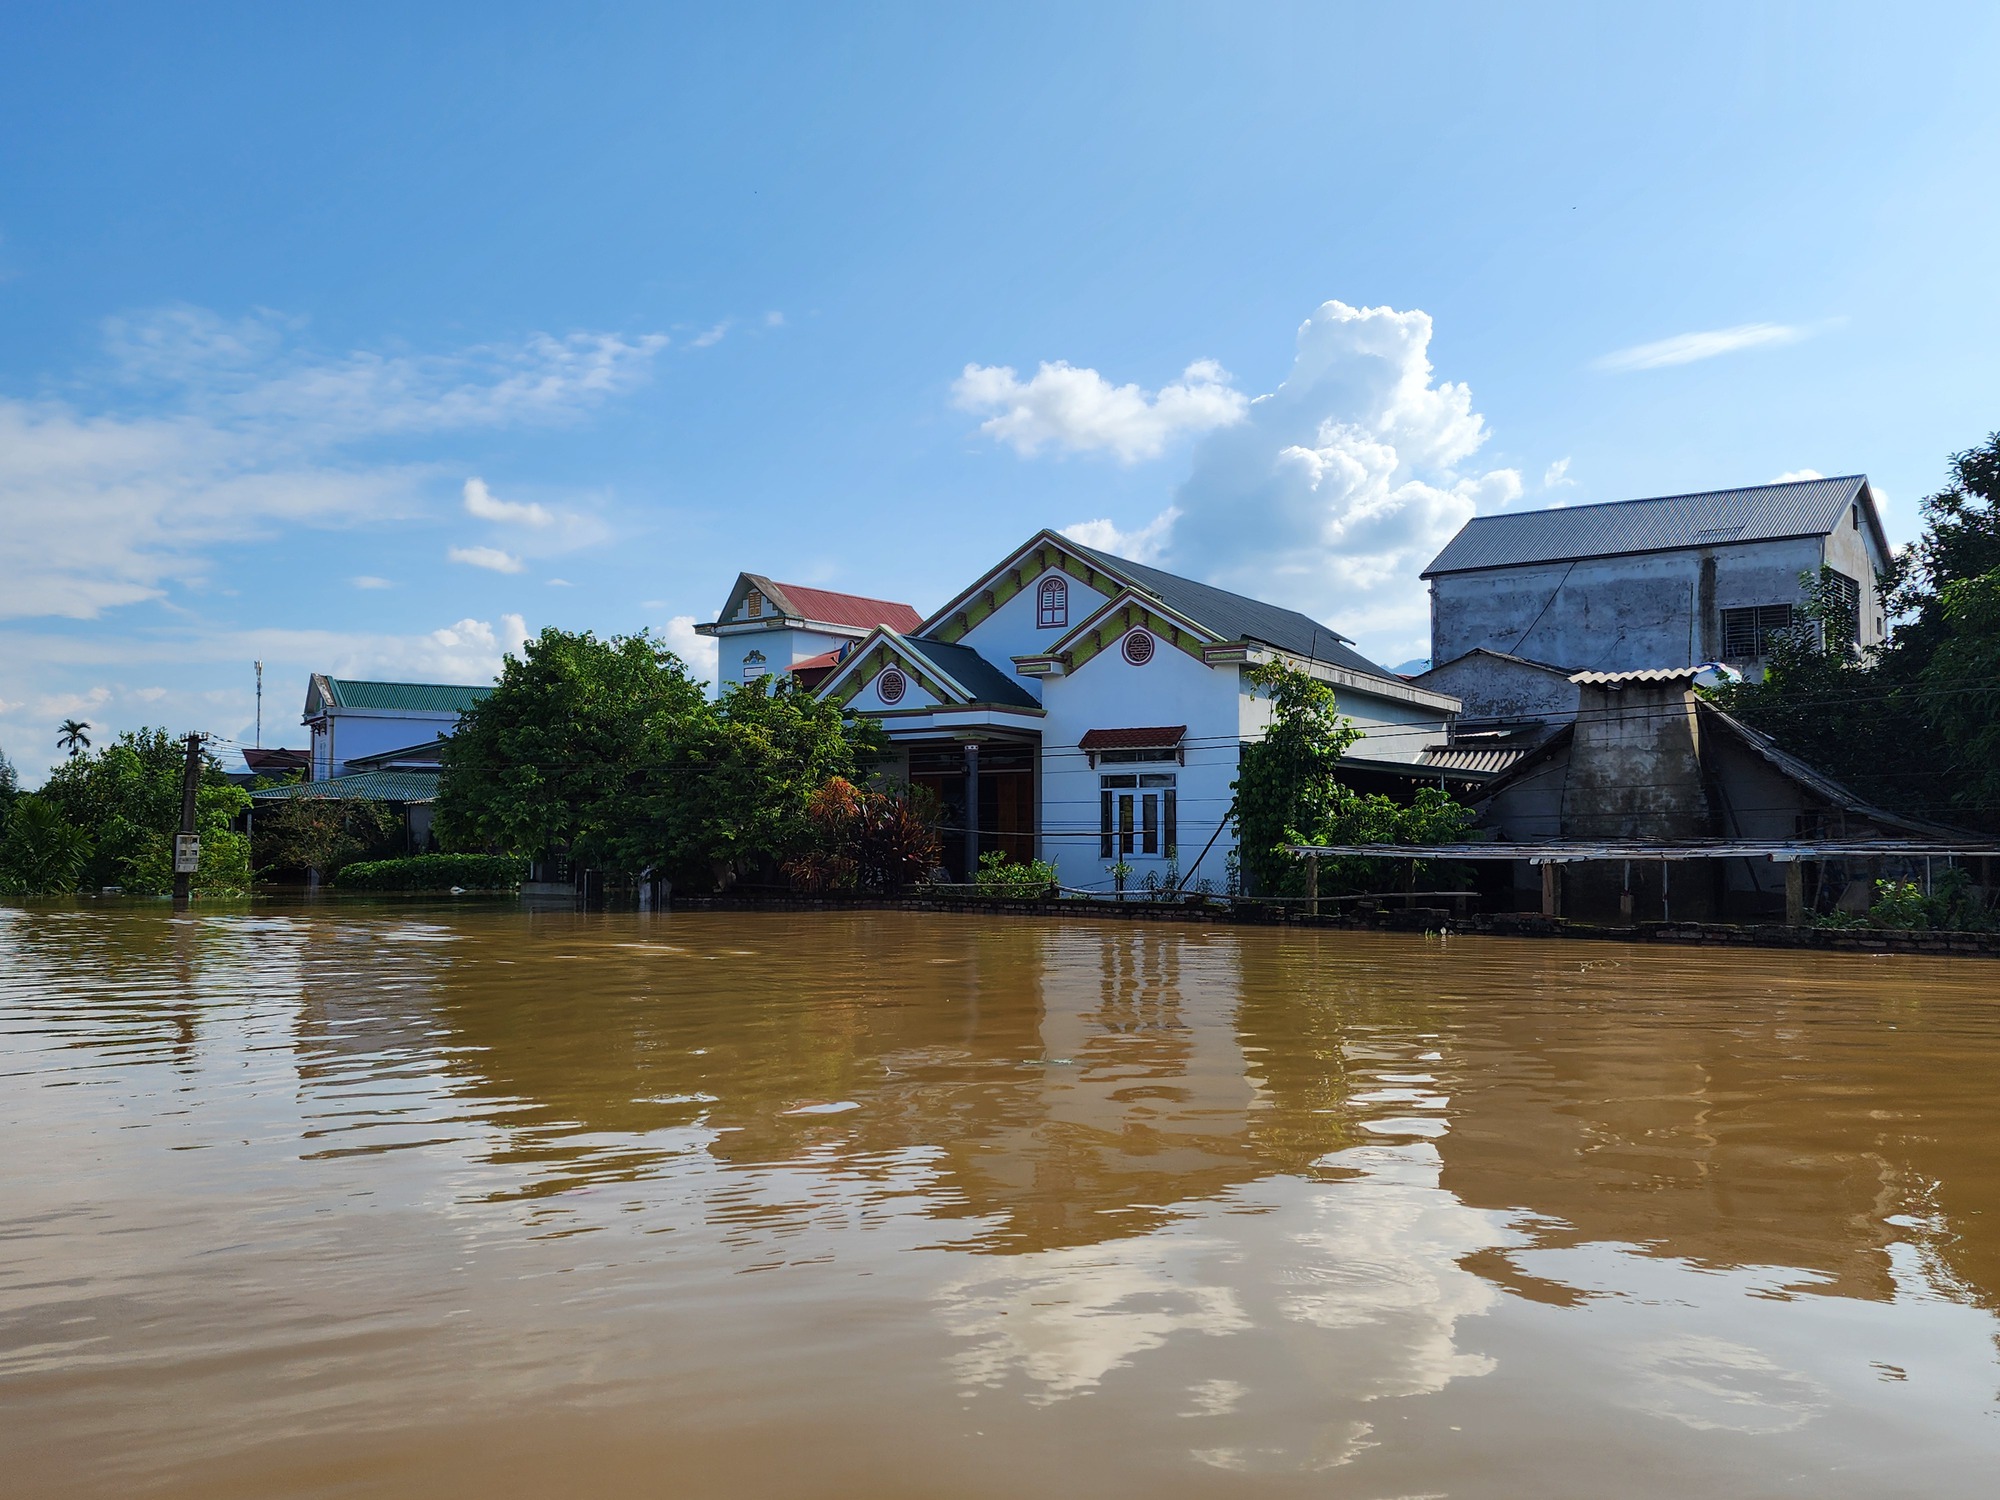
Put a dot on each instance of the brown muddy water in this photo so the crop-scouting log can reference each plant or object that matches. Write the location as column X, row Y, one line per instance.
column 421, row 1201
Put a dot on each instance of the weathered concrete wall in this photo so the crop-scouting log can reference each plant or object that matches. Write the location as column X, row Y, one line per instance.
column 1492, row 688
column 1617, row 614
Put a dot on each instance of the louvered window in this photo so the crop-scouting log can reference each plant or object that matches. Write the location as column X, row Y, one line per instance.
column 1053, row 604
column 753, row 606
column 1746, row 633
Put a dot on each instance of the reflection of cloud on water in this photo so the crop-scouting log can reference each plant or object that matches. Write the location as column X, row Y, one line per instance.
column 1715, row 1385
column 1383, row 1260
column 1064, row 1319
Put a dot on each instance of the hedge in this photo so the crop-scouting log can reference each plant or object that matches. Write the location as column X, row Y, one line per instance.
column 435, row 872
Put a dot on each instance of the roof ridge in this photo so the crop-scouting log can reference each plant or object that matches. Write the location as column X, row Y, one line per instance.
column 1732, row 489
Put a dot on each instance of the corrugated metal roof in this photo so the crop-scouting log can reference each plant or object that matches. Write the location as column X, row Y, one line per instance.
column 1159, row 737
column 384, row 786
column 1480, row 760
column 973, row 672
column 831, row 608
column 410, row 697
column 1642, row 674
column 1759, row 513
column 1236, row 617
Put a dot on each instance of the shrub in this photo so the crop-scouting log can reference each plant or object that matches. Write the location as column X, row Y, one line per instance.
column 41, row 853
column 997, row 876
column 435, row 872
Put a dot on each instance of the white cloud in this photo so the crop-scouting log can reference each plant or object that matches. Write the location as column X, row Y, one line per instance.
column 370, row 581
column 561, row 583
column 711, row 336
column 1686, row 348
column 481, row 502
column 487, row 557
column 1341, row 484
column 774, row 319
column 209, row 432
column 1078, row 410
column 698, row 651
column 1793, row 476
column 1557, row 475
column 1141, row 544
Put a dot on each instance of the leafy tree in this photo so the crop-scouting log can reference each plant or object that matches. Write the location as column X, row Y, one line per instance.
column 1286, row 781
column 127, row 799
column 564, row 755
column 1911, row 724
column 10, row 787
column 73, row 735
column 41, row 852
column 1289, row 792
column 322, row 835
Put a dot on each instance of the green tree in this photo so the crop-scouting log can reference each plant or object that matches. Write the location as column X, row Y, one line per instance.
column 322, row 835
column 41, row 852
column 10, row 787
column 1959, row 688
column 1286, row 781
column 568, row 753
column 73, row 735
column 126, row 798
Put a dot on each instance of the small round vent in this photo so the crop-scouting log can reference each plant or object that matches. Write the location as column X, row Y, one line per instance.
column 891, row 685
column 1138, row 648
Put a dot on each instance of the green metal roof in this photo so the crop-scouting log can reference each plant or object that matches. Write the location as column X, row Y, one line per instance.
column 382, row 786
column 411, row 697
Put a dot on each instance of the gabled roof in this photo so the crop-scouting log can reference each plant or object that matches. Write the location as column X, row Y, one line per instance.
column 423, row 752
column 405, row 697
column 1758, row 513
column 820, row 606
column 959, row 675
column 1506, row 656
column 1154, row 737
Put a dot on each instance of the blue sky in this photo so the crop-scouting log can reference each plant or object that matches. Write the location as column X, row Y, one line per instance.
column 364, row 338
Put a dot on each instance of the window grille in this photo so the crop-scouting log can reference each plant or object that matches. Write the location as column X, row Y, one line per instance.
column 1052, row 606
column 753, row 606
column 1848, row 593
column 1137, row 814
column 1747, row 632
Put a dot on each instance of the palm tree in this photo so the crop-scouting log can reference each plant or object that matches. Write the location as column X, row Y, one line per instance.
column 73, row 736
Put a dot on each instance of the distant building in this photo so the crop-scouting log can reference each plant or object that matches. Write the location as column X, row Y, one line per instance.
column 1091, row 711
column 767, row 627
column 352, row 721
column 1668, row 582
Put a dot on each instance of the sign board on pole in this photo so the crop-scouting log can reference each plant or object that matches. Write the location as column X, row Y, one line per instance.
column 187, row 853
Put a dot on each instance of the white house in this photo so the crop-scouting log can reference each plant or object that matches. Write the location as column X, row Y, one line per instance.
column 768, row 627
column 1091, row 710
column 1674, row 581
column 353, row 721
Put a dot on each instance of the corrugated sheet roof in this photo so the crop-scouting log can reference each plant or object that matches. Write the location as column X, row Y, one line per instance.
column 1759, row 513
column 384, row 786
column 1160, row 737
column 973, row 672
column 1236, row 617
column 833, row 608
column 411, row 697
column 1641, row 674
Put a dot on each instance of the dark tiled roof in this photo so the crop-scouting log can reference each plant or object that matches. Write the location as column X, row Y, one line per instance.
column 1162, row 737
column 384, row 786
column 410, row 697
column 973, row 672
column 424, row 751
column 1236, row 617
column 276, row 762
column 1760, row 513
column 832, row 608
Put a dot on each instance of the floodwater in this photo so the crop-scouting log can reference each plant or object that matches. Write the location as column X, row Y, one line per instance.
column 429, row 1201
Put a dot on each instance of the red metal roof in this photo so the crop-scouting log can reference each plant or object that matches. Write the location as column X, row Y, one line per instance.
column 1159, row 738
column 851, row 609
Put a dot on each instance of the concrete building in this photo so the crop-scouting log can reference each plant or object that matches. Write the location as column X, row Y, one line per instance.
column 1668, row 582
column 767, row 627
column 353, row 720
column 1090, row 710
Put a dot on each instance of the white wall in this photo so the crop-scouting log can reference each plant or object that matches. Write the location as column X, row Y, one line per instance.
column 367, row 731
column 915, row 695
column 1011, row 631
column 780, row 647
column 1108, row 692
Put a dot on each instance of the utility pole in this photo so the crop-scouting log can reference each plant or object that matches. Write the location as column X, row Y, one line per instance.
column 260, row 705
column 187, row 846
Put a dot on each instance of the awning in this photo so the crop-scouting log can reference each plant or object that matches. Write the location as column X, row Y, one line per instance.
column 1158, row 738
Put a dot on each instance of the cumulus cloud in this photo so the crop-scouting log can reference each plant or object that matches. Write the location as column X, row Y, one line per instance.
column 481, row 502
column 1079, row 411
column 1794, row 476
column 1556, row 476
column 1337, row 487
column 491, row 558
column 1686, row 348
column 201, row 431
column 698, row 651
column 711, row 336
column 1140, row 544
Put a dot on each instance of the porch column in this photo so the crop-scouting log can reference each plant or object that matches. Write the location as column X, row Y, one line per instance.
column 1551, row 889
column 971, row 811
column 1795, row 893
